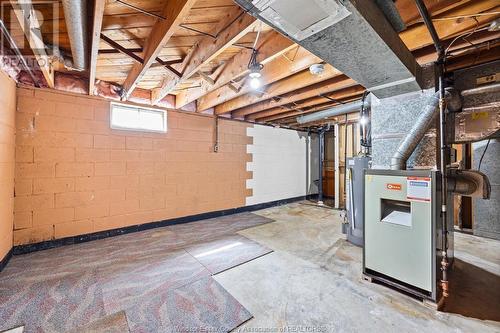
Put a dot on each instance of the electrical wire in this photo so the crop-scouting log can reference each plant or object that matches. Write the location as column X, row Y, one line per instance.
column 253, row 63
column 258, row 35
column 465, row 16
column 465, row 35
column 141, row 10
column 482, row 156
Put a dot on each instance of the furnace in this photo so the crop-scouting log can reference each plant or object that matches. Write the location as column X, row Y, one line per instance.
column 402, row 228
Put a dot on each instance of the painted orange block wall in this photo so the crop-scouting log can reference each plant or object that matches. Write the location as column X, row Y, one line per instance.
column 7, row 156
column 74, row 175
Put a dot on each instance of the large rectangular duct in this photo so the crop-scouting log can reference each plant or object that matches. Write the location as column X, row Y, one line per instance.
column 354, row 36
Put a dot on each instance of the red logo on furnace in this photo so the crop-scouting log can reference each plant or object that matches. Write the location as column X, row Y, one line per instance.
column 396, row 187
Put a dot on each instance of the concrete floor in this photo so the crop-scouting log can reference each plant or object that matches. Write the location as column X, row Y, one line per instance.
column 312, row 282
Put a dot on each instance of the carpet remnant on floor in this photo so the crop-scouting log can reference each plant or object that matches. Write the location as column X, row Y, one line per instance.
column 225, row 253
column 141, row 278
column 202, row 306
column 143, row 274
column 53, row 305
column 115, row 323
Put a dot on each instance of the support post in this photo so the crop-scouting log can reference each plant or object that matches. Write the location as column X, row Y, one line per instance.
column 321, row 159
column 337, row 165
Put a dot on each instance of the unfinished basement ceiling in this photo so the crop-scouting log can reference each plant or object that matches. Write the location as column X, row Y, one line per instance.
column 198, row 51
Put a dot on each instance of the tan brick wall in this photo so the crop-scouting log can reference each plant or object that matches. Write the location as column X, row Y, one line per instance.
column 7, row 153
column 74, row 175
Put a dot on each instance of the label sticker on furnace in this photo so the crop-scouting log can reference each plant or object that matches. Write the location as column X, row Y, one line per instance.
column 418, row 188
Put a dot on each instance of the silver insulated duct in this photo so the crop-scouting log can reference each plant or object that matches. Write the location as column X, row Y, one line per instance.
column 75, row 13
column 336, row 111
column 354, row 36
column 421, row 126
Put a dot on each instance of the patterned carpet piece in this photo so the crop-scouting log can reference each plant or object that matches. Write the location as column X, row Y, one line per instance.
column 115, row 323
column 148, row 275
column 225, row 253
column 53, row 305
column 141, row 278
column 202, row 306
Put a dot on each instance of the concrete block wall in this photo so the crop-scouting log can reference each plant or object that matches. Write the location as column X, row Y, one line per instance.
column 7, row 161
column 284, row 164
column 74, row 175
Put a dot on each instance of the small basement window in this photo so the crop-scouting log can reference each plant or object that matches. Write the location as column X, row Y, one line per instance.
column 129, row 117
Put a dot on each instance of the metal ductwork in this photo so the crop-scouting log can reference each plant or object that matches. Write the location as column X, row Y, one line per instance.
column 421, row 126
column 336, row 111
column 353, row 36
column 471, row 183
column 75, row 12
column 388, row 7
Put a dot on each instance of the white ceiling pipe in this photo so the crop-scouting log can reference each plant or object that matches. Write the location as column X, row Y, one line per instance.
column 335, row 111
column 75, row 13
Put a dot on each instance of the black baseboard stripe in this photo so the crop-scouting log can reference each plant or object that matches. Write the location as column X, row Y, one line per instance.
column 6, row 259
column 23, row 249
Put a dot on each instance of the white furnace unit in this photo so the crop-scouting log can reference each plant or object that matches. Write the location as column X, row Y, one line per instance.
column 402, row 230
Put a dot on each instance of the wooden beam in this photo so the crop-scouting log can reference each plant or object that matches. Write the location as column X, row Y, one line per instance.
column 410, row 15
column 207, row 78
column 271, row 47
column 284, row 86
column 96, row 38
column 236, row 25
column 428, row 54
column 297, row 94
column 418, row 36
column 328, row 86
column 342, row 95
column 175, row 12
column 26, row 15
column 291, row 62
column 467, row 61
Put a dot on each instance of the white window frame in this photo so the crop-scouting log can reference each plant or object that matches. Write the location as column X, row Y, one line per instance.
column 139, row 109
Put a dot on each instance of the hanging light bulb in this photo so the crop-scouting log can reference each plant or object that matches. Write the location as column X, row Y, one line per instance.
column 363, row 121
column 255, row 83
column 255, row 68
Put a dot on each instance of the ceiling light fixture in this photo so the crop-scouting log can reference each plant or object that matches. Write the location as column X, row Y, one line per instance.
column 317, row 69
column 254, row 66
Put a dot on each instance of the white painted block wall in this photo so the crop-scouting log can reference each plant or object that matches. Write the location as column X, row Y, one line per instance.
column 284, row 164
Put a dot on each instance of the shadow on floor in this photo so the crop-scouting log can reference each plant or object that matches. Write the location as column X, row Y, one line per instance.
column 474, row 292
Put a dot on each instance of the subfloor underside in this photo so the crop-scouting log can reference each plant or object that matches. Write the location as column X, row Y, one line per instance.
column 286, row 266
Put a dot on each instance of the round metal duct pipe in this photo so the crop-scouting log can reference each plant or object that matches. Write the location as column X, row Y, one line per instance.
column 336, row 111
column 423, row 123
column 75, row 13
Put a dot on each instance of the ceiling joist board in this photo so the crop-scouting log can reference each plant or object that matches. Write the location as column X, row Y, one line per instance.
column 243, row 104
column 418, row 37
column 269, row 48
column 428, row 54
column 199, row 18
column 31, row 27
column 307, row 103
column 410, row 14
column 326, row 87
column 99, row 6
column 175, row 12
column 114, row 7
column 288, row 64
column 343, row 96
column 236, row 24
